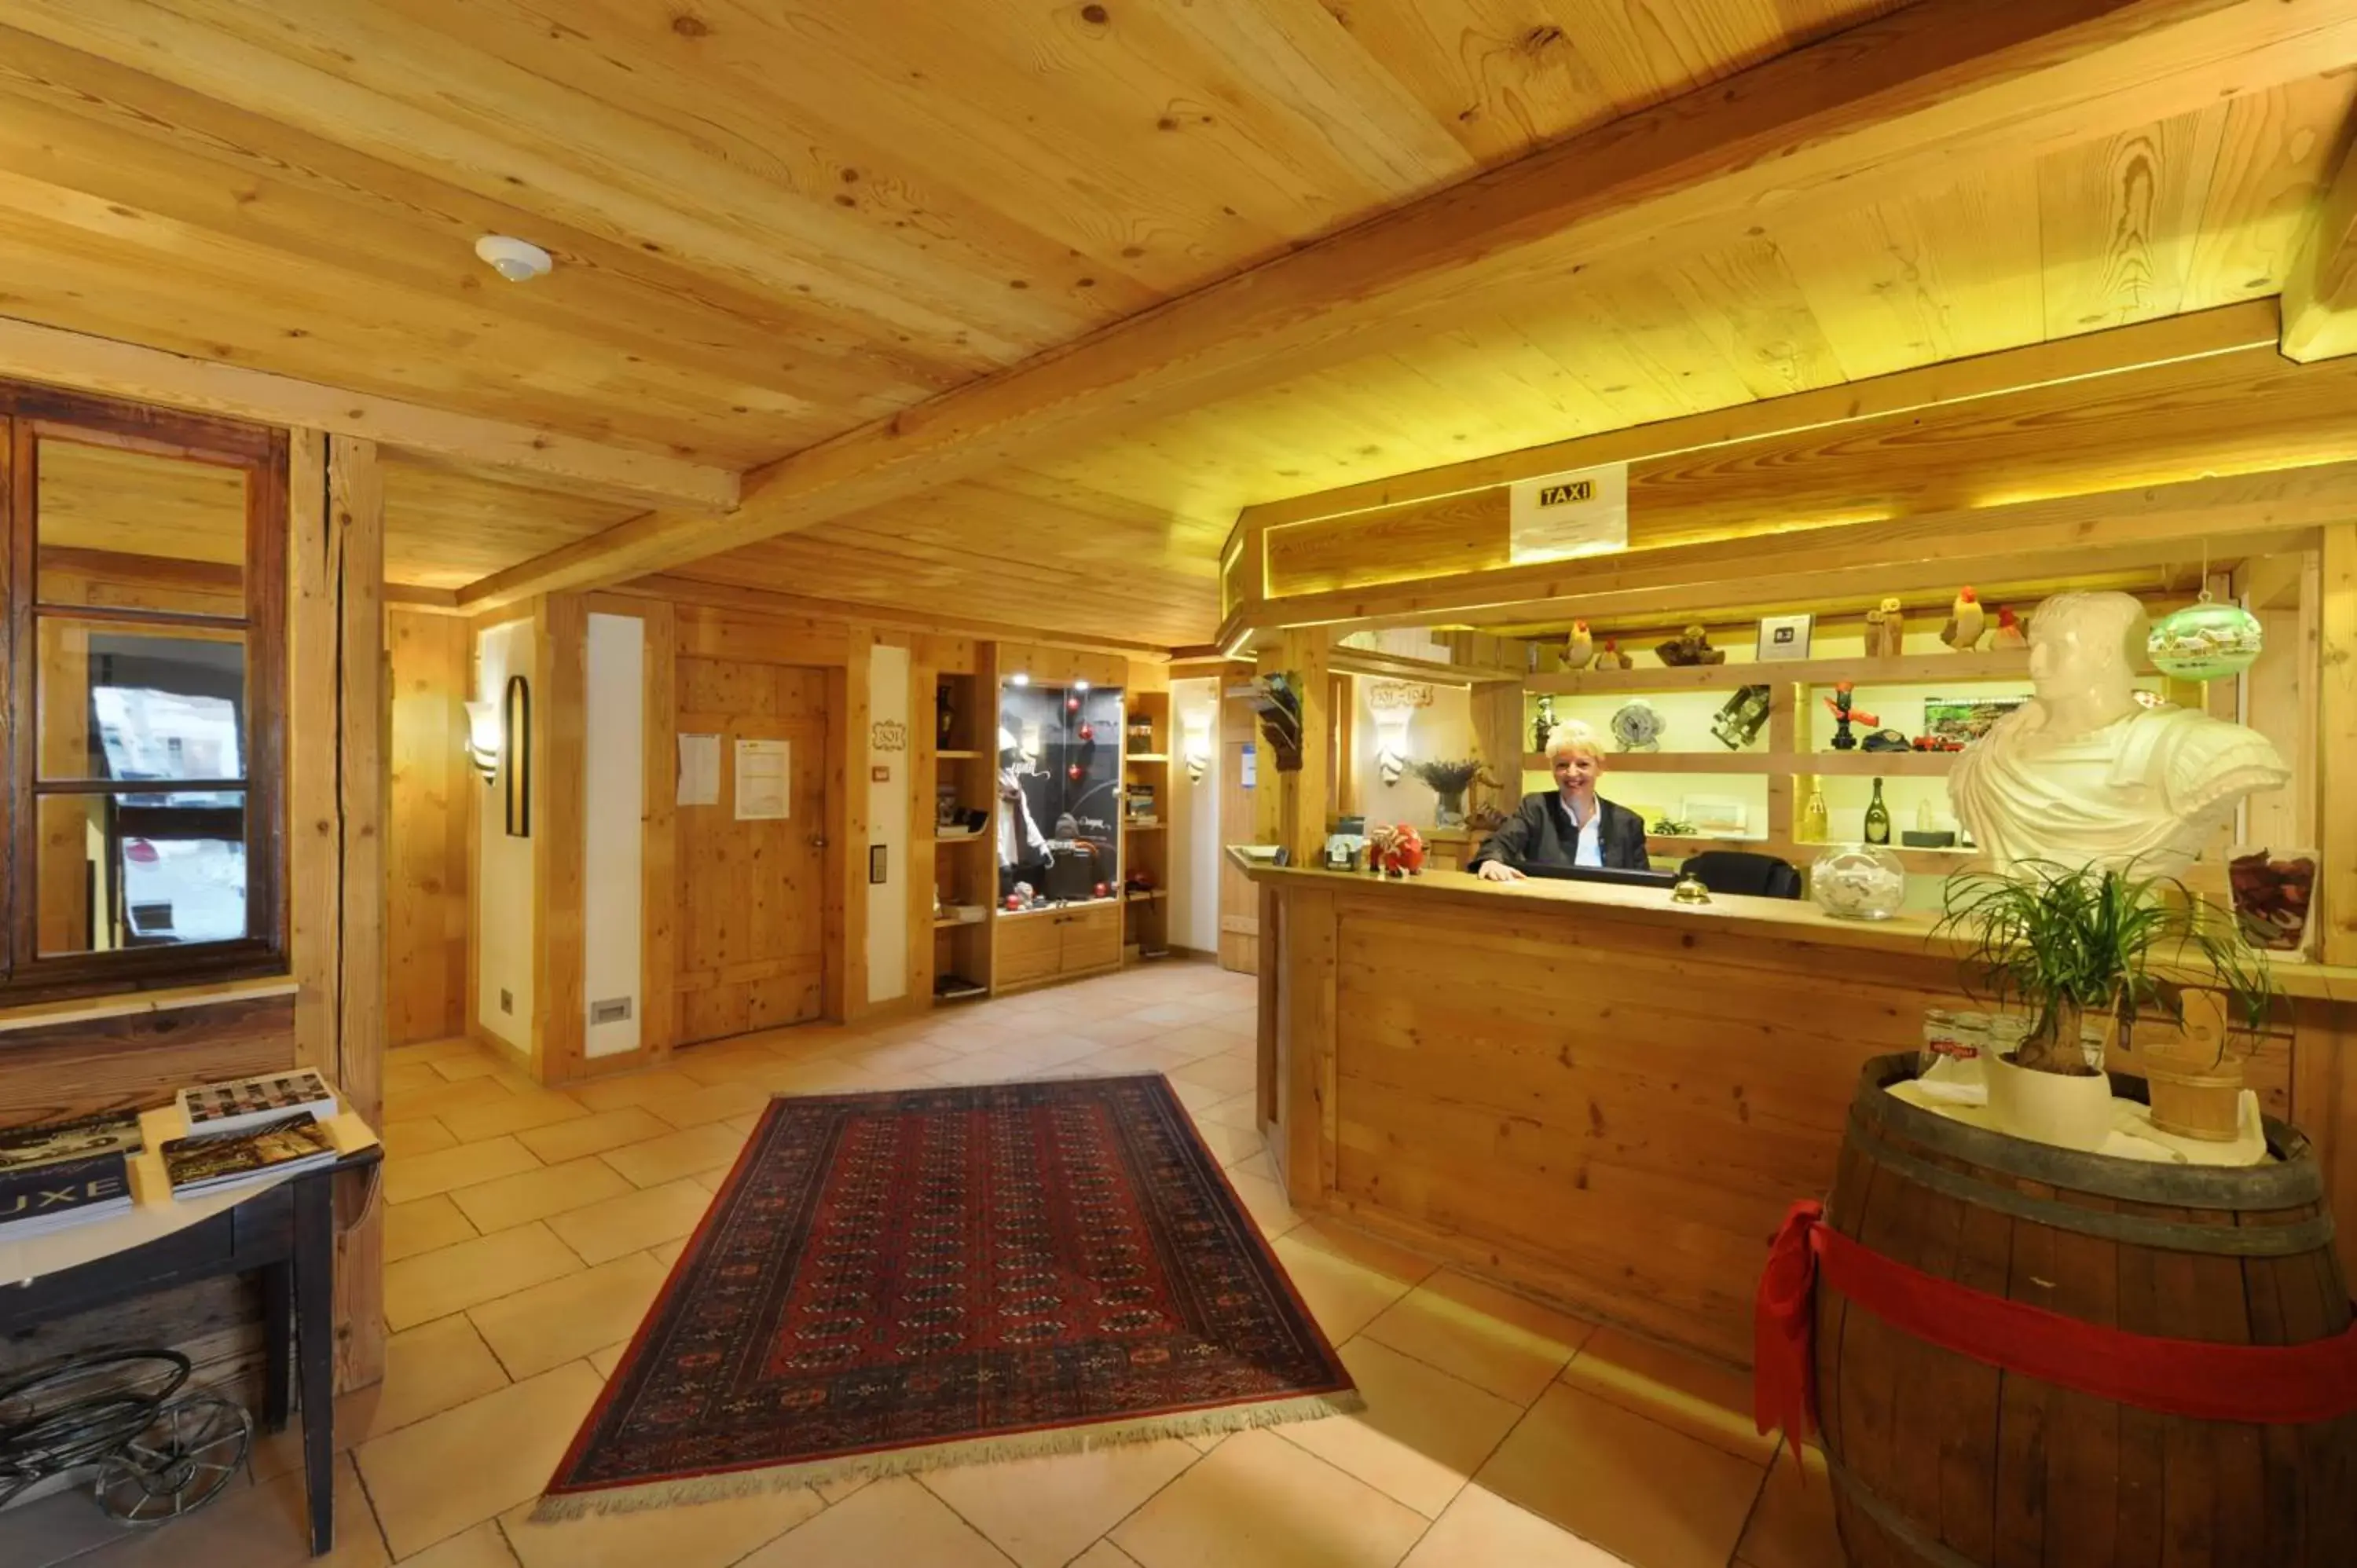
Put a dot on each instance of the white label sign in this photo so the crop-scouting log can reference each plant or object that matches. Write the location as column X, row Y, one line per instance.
column 1557, row 516
column 699, row 769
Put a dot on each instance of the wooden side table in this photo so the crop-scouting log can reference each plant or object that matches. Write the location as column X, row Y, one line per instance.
column 287, row 1233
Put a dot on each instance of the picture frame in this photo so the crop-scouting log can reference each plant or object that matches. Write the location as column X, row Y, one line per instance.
column 1785, row 636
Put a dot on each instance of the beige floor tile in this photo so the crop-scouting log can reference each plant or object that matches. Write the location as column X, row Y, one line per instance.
column 1491, row 1338
column 481, row 1547
column 459, row 1070
column 453, row 1471
column 1197, row 1041
column 716, row 1103
column 1407, row 1266
column 1481, row 1530
column 473, row 1123
column 1631, row 1485
column 1422, row 1435
column 670, row 1253
column 428, row 1369
column 1230, row 1146
column 1232, row 1075
column 676, row 1154
column 1343, row 1296
column 1111, row 1030
column 899, row 1056
column 715, row 1065
column 633, row 1223
column 606, row 1359
column 255, row 1527
column 1699, row 1398
column 1104, row 1554
column 1266, row 1202
column 536, row 1194
column 893, row 1523
column 1145, row 1056
column 417, row 1135
column 1196, row 1098
column 594, row 1133
column 411, row 1077
column 633, row 1088
column 1171, row 1015
column 1236, row 1110
column 707, row 1535
column 452, row 1279
column 1043, row 1511
column 1257, row 1502
column 571, row 1317
column 432, row 1050
column 1791, row 1525
column 423, row 1225
column 447, row 1168
column 983, row 1067
column 444, row 1096
column 835, row 1491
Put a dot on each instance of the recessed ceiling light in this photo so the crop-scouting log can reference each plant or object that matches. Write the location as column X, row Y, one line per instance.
column 1080, row 686
column 1019, row 679
column 518, row 260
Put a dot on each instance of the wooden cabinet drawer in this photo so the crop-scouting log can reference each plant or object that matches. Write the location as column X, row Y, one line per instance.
column 1031, row 946
column 1091, row 937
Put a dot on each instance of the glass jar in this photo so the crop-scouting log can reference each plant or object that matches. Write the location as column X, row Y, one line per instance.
column 2006, row 1033
column 1859, row 882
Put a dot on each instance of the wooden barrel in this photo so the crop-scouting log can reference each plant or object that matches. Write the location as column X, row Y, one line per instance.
column 1941, row 1462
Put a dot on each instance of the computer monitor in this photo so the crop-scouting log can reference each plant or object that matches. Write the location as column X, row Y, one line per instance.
column 1612, row 873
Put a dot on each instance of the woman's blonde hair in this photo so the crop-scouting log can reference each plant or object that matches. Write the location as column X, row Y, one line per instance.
column 1574, row 739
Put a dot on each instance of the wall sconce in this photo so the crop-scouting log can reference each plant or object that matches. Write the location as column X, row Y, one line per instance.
column 1195, row 741
column 1391, row 743
column 483, row 739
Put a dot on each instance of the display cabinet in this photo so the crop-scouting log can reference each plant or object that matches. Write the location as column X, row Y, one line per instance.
column 1056, row 831
column 965, row 796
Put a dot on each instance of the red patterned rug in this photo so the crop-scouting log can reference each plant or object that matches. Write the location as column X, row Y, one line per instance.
column 892, row 1282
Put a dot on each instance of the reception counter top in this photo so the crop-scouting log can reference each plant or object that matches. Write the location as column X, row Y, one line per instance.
column 1606, row 1100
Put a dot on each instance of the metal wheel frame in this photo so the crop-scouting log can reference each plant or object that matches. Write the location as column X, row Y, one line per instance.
column 184, row 1456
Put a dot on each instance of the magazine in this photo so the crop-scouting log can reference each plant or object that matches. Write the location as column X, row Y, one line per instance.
column 52, row 1143
column 65, row 1193
column 210, row 1161
column 241, row 1104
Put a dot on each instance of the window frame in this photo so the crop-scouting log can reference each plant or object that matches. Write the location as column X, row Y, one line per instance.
column 27, row 415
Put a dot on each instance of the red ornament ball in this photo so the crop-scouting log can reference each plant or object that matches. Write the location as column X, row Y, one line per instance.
column 1088, row 732
column 1073, row 772
column 1015, row 900
column 1103, row 889
column 1071, row 704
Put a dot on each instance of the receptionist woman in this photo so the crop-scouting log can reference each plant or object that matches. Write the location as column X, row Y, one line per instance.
column 1569, row 824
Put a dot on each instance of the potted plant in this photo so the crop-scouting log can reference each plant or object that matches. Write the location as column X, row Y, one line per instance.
column 2067, row 947
column 1447, row 781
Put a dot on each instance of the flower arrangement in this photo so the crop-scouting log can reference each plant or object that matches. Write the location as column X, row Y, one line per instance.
column 1448, row 779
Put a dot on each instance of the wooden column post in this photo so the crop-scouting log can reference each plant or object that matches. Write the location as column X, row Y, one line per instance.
column 658, row 863
column 1300, row 799
column 2336, row 736
column 338, row 715
column 560, row 675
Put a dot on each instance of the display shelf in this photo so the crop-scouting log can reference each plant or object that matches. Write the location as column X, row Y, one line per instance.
column 1148, row 757
column 1142, row 827
column 974, row 837
column 958, row 756
column 1832, row 764
column 1148, row 897
column 1914, row 668
column 1874, row 764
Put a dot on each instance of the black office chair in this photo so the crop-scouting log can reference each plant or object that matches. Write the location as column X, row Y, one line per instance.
column 1736, row 870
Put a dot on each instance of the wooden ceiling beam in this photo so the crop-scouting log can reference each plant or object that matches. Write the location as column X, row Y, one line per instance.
column 763, row 601
column 55, row 356
column 2319, row 296
column 1891, row 105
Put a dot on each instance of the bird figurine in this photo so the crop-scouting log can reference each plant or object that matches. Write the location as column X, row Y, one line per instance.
column 1966, row 620
column 1577, row 648
column 1612, row 658
column 1887, row 639
column 2009, row 632
column 1691, row 646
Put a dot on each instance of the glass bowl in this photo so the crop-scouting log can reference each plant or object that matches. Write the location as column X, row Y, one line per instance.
column 1859, row 882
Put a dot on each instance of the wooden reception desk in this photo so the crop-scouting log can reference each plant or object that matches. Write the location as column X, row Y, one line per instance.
column 1606, row 1100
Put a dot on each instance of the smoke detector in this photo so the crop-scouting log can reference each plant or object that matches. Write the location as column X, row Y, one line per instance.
column 518, row 260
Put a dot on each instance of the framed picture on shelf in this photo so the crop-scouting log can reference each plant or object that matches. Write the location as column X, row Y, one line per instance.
column 1785, row 636
column 1715, row 816
column 1963, row 720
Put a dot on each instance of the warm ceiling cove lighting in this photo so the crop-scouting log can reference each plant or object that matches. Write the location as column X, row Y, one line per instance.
column 518, row 260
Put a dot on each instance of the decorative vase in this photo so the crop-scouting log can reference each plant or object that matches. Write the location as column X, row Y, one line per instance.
column 1859, row 882
column 2196, row 1083
column 2049, row 1107
column 1448, row 808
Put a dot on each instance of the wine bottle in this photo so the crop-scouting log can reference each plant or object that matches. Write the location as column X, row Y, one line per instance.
column 1813, row 818
column 1877, row 818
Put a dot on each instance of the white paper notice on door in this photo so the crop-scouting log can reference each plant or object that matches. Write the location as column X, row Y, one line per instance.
column 699, row 769
column 761, row 774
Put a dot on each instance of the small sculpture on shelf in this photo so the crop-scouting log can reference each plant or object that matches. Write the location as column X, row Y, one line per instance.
column 1482, row 815
column 1845, row 713
column 1690, row 647
column 1738, row 722
column 2009, row 634
column 1397, row 850
column 1542, row 724
column 1966, row 620
column 1578, row 648
column 1637, row 726
column 1612, row 658
column 1886, row 636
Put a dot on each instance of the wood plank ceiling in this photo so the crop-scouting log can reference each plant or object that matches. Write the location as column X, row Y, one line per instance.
column 774, row 223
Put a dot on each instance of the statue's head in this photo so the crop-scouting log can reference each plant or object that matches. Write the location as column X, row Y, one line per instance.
column 2084, row 643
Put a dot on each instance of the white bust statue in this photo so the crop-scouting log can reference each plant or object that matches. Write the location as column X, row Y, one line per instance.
column 2085, row 773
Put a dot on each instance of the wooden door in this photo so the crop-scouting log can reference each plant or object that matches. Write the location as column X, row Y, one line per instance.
column 749, row 947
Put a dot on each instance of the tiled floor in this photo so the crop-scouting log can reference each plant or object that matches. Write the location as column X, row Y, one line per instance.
column 529, row 1230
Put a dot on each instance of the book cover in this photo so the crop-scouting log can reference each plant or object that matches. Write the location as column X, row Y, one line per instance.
column 65, row 1192
column 204, row 1161
column 241, row 1104
column 51, row 1143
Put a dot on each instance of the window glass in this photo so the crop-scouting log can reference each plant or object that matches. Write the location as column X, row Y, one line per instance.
column 136, row 871
column 129, row 704
column 137, row 531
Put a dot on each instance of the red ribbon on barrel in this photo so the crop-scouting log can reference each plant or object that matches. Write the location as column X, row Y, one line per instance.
column 2263, row 1384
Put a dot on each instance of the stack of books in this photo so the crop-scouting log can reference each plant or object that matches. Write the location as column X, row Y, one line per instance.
column 250, row 1129
column 66, row 1172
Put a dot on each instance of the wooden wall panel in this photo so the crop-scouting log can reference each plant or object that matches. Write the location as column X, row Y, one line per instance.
column 428, row 823
column 2335, row 729
column 559, row 727
column 131, row 1062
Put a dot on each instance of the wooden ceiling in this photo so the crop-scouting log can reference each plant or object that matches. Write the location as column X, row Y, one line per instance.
column 774, row 225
